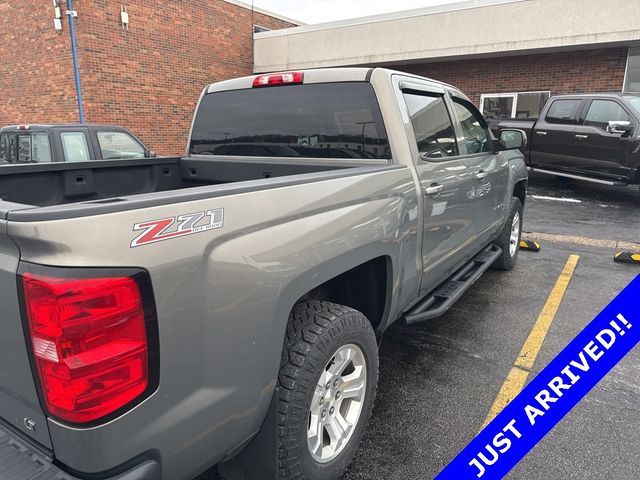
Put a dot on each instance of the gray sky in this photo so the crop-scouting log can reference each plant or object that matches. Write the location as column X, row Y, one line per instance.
column 317, row 11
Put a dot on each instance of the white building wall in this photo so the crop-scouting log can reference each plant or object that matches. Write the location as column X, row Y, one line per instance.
column 471, row 28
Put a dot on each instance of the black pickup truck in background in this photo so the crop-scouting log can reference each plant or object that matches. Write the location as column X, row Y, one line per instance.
column 593, row 137
column 20, row 144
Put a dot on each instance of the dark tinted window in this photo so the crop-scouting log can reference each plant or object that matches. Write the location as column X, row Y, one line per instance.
column 8, row 147
column 4, row 148
column 329, row 120
column 431, row 125
column 601, row 112
column 563, row 111
column 475, row 133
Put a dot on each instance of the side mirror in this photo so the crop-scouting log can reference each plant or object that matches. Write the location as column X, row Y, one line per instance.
column 149, row 153
column 620, row 127
column 512, row 139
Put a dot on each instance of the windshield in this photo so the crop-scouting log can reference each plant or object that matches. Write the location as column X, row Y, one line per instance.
column 635, row 103
column 329, row 120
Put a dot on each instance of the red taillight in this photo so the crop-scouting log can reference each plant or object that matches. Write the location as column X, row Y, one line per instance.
column 289, row 78
column 89, row 342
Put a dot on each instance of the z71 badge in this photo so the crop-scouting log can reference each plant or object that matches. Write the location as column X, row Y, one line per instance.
column 160, row 230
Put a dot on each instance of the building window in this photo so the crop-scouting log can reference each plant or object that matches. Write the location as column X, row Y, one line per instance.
column 513, row 105
column 632, row 77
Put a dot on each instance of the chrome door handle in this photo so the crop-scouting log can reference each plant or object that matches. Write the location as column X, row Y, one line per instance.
column 480, row 175
column 540, row 133
column 433, row 189
column 582, row 137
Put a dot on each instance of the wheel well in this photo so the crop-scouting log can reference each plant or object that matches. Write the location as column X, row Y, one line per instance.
column 520, row 190
column 364, row 288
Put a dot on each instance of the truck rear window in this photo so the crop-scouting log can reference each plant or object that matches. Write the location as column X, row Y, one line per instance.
column 328, row 120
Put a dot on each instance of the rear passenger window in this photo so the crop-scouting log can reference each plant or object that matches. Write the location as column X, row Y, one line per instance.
column 601, row 112
column 432, row 126
column 563, row 111
column 74, row 145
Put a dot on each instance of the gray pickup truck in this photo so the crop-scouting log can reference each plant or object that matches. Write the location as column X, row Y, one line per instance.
column 162, row 316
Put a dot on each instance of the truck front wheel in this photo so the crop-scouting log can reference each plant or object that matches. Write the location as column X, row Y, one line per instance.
column 328, row 379
column 509, row 239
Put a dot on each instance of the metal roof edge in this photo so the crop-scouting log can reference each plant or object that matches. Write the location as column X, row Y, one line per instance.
column 249, row 6
column 383, row 17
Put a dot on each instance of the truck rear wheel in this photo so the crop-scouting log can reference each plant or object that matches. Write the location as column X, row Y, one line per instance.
column 509, row 239
column 328, row 379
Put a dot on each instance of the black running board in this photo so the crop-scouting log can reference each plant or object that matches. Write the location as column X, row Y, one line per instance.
column 440, row 300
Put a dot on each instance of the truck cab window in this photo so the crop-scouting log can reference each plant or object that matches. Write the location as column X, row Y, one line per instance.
column 563, row 111
column 601, row 112
column 476, row 137
column 24, row 148
column 432, row 126
column 330, row 120
column 39, row 150
column 5, row 152
column 75, row 147
column 115, row 145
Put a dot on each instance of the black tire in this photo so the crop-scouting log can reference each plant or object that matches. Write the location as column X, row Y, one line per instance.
column 507, row 261
column 315, row 332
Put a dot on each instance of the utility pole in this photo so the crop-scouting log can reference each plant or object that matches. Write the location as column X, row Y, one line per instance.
column 71, row 13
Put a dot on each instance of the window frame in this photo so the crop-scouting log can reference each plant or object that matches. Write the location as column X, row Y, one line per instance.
column 483, row 96
column 516, row 95
column 411, row 90
column 577, row 112
column 116, row 131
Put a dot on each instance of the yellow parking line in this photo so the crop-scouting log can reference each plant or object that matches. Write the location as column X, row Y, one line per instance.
column 517, row 377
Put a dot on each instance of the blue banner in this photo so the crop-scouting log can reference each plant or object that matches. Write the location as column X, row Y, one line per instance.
column 553, row 392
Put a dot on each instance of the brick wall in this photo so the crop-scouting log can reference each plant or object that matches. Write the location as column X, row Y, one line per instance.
column 36, row 68
column 579, row 71
column 147, row 78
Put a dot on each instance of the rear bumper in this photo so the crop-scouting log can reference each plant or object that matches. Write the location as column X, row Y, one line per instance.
column 21, row 461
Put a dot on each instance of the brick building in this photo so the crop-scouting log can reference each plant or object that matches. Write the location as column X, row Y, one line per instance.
column 147, row 78
column 509, row 56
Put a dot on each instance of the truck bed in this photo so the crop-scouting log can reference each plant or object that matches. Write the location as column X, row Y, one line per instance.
column 46, row 185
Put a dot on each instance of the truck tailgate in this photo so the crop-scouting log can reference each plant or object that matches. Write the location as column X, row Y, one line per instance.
column 19, row 404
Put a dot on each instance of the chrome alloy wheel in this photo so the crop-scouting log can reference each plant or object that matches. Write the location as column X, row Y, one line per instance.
column 515, row 234
column 337, row 403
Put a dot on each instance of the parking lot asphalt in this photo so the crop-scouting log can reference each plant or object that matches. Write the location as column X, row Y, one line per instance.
column 571, row 207
column 439, row 379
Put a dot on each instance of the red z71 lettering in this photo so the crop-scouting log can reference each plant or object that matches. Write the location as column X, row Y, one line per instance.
column 187, row 224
